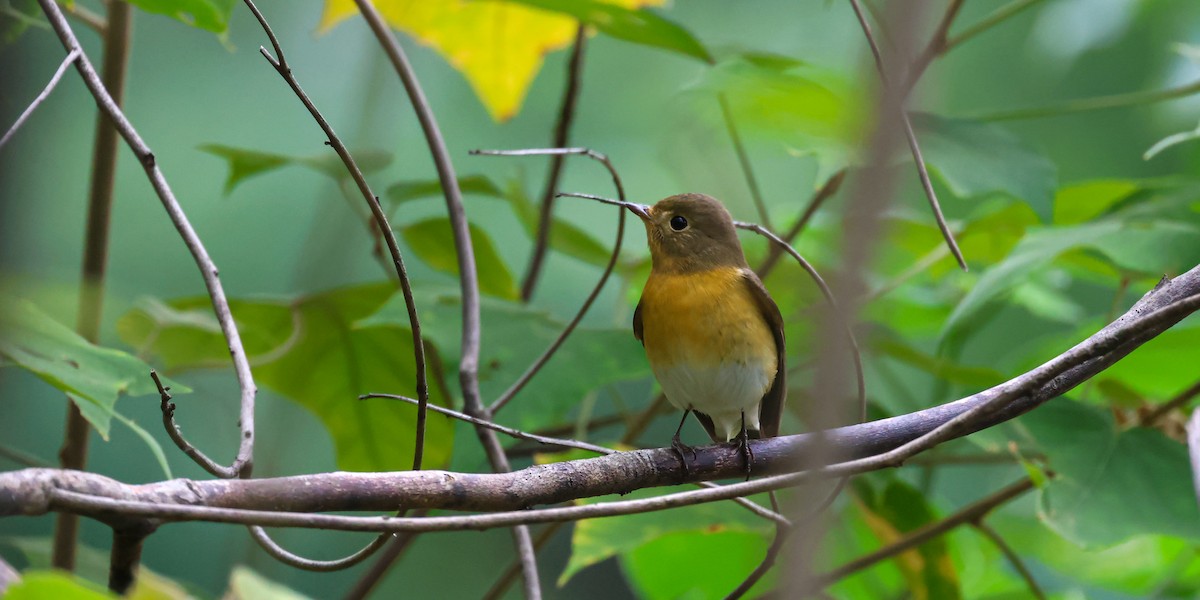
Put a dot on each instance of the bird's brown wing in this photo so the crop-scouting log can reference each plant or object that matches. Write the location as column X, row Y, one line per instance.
column 637, row 323
column 771, row 410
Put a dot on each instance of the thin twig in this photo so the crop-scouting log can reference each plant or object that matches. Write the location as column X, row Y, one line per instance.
column 565, row 443
column 1164, row 409
column 923, row 534
column 768, row 561
column 41, row 97
column 911, row 137
column 208, row 270
column 279, row 553
column 390, row 554
column 468, row 370
column 279, row 62
column 562, row 131
column 743, row 156
column 934, row 48
column 541, row 361
column 775, row 252
column 94, row 21
column 509, row 431
column 1014, row 560
column 1092, row 104
column 998, row 16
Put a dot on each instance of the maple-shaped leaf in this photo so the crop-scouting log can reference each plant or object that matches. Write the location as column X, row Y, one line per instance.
column 498, row 46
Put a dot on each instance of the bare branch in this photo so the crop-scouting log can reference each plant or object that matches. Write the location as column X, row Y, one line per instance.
column 826, row 192
column 385, row 229
column 562, row 130
column 1000, row 15
column 208, row 270
column 391, row 553
column 744, row 160
column 41, row 97
column 928, row 532
column 1178, row 402
column 126, row 556
column 1011, row 556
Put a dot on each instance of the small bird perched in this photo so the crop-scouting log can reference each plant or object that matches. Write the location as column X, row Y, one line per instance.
column 712, row 333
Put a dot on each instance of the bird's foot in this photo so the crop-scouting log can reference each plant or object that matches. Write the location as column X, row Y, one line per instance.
column 683, row 450
column 742, row 443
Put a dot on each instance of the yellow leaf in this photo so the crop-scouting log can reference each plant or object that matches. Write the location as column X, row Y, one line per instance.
column 497, row 46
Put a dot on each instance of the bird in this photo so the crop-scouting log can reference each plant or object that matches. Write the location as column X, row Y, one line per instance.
column 712, row 333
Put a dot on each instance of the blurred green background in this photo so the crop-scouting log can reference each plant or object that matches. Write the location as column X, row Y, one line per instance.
column 292, row 231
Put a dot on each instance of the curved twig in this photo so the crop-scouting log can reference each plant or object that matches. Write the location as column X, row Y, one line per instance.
column 282, row 555
column 468, row 364
column 242, row 464
column 541, row 361
column 280, row 64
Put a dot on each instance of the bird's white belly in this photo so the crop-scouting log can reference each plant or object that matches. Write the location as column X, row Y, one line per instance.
column 722, row 392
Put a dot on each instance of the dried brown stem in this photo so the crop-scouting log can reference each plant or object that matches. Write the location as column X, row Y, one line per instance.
column 562, row 131
column 743, row 156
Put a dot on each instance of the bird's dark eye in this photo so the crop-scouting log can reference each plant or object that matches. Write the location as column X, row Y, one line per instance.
column 678, row 223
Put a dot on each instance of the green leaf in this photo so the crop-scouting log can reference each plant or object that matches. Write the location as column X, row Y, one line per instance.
column 978, row 159
column 1162, row 367
column 638, row 26
column 244, row 163
column 514, row 335
column 91, row 566
column 696, row 564
column 433, row 242
column 18, row 15
column 1138, row 474
column 1081, row 202
column 413, row 190
column 38, row 585
column 246, row 584
column 899, row 509
column 940, row 368
column 812, row 111
column 92, row 376
column 565, row 237
column 1152, row 246
column 311, row 351
column 595, row 540
column 210, row 15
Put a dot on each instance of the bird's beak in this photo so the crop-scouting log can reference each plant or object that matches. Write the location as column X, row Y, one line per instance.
column 641, row 210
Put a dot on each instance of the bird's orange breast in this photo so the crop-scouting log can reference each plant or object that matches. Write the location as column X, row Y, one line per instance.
column 704, row 319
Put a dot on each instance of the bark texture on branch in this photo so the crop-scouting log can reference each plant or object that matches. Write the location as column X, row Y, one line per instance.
column 28, row 492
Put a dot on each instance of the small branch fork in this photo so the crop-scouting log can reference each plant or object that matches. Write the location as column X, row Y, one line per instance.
column 41, row 97
column 937, row 44
column 35, row 491
column 242, row 464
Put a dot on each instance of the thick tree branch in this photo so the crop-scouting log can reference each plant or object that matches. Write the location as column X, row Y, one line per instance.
column 865, row 446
